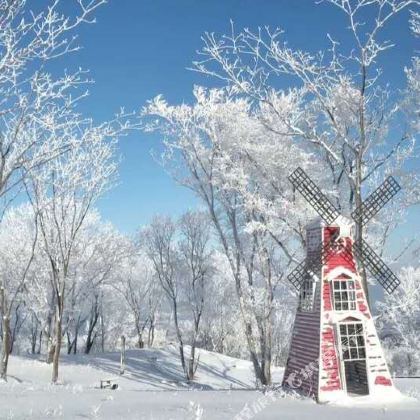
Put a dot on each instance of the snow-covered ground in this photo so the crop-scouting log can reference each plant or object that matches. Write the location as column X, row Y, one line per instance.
column 152, row 388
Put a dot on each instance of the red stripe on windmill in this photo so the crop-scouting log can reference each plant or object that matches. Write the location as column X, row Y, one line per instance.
column 335, row 350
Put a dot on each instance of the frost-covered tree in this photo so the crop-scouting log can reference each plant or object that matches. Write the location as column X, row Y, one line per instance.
column 18, row 235
column 338, row 104
column 412, row 101
column 62, row 192
column 219, row 149
column 400, row 318
column 181, row 258
column 39, row 122
column 37, row 103
column 137, row 283
column 195, row 257
column 159, row 242
column 222, row 329
column 283, row 318
column 98, row 252
column 236, row 145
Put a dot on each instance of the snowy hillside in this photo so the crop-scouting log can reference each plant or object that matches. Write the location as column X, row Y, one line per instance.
column 146, row 370
column 153, row 388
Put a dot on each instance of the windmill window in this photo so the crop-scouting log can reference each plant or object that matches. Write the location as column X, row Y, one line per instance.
column 344, row 295
column 352, row 341
column 306, row 297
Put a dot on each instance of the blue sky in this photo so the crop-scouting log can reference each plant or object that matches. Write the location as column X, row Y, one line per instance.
column 141, row 48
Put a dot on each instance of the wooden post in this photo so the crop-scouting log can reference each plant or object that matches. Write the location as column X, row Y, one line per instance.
column 122, row 359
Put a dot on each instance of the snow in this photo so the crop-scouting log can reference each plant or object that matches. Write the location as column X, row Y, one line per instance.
column 153, row 388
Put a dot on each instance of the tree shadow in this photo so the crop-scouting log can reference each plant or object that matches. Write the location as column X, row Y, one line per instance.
column 159, row 369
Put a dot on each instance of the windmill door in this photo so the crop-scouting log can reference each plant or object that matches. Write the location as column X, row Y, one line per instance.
column 354, row 357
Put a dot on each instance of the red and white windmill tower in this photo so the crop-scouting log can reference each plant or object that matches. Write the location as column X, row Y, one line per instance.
column 335, row 350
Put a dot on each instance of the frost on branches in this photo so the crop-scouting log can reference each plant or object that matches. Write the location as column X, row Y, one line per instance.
column 341, row 106
column 220, row 150
column 18, row 236
column 400, row 321
column 60, row 157
column 236, row 145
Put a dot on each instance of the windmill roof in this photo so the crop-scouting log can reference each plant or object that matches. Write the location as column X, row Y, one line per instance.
column 337, row 271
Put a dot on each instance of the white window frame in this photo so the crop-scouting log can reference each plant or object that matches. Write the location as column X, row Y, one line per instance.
column 352, row 341
column 344, row 296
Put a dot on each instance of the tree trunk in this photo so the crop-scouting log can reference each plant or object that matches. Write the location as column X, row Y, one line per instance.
column 249, row 334
column 14, row 332
column 69, row 343
column 58, row 334
column 51, row 345
column 359, row 225
column 253, row 355
column 139, row 328
column 90, row 340
column 6, row 348
column 51, row 350
column 122, row 356
column 267, row 354
column 39, row 343
column 151, row 334
column 102, row 323
column 34, row 338
column 5, row 335
column 34, row 334
column 72, row 342
column 94, row 317
column 49, row 331
column 179, row 336
column 192, row 363
column 57, row 349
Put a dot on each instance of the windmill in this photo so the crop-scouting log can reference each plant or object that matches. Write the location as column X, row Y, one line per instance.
column 335, row 349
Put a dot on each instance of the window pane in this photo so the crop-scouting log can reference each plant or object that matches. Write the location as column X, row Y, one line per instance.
column 351, row 329
column 306, row 296
column 353, row 353
column 342, row 330
column 360, row 341
column 345, row 306
column 362, row 353
column 346, row 354
column 336, row 285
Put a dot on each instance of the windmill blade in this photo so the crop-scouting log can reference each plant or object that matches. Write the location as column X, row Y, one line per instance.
column 302, row 271
column 298, row 275
column 376, row 200
column 311, row 265
column 376, row 266
column 313, row 195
